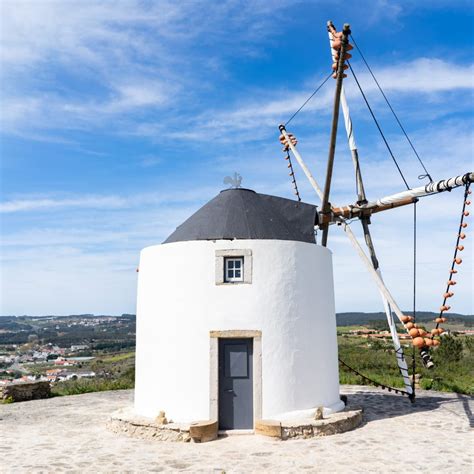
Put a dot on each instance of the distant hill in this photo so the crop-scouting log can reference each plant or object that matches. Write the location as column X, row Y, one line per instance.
column 343, row 319
column 68, row 316
column 350, row 319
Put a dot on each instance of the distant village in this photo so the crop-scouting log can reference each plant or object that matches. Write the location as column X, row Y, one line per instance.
column 66, row 365
column 56, row 349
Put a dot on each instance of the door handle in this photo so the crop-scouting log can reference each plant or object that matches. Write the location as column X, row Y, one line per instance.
column 229, row 390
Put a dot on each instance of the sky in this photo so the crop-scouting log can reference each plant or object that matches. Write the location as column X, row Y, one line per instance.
column 120, row 119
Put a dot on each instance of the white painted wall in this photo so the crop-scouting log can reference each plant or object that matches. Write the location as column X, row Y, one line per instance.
column 291, row 300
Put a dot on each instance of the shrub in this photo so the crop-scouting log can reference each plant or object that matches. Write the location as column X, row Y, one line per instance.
column 469, row 344
column 76, row 387
column 450, row 350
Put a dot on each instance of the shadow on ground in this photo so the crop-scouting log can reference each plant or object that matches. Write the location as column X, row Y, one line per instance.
column 379, row 406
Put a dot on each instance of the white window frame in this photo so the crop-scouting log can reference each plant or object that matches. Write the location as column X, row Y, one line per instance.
column 230, row 269
column 246, row 274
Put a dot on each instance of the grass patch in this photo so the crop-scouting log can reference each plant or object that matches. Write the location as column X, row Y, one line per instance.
column 98, row 384
column 118, row 357
column 453, row 372
column 76, row 387
column 6, row 401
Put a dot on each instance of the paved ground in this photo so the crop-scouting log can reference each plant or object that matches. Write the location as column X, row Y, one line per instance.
column 68, row 434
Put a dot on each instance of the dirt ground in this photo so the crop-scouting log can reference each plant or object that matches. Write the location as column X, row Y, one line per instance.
column 68, row 434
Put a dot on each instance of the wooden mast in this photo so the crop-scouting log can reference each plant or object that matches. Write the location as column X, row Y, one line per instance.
column 361, row 196
column 326, row 206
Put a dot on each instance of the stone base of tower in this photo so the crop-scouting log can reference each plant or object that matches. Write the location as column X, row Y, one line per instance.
column 125, row 421
column 335, row 423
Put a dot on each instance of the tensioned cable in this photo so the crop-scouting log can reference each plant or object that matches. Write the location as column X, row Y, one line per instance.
column 308, row 99
column 378, row 126
column 427, row 175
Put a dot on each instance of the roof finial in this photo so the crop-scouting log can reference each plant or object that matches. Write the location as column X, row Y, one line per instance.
column 233, row 181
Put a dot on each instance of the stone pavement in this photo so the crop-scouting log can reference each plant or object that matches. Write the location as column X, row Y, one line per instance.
column 68, row 434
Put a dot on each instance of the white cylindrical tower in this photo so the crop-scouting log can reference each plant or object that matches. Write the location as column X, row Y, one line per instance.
column 235, row 316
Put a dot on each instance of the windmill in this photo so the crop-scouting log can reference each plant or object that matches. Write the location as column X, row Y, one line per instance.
column 363, row 209
column 235, row 309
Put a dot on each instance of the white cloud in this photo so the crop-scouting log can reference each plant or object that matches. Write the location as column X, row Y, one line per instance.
column 132, row 55
column 141, row 93
column 61, row 280
column 257, row 118
column 65, row 31
column 139, row 56
column 101, row 202
column 425, row 75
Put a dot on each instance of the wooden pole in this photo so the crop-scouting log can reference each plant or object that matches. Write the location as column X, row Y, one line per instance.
column 326, row 206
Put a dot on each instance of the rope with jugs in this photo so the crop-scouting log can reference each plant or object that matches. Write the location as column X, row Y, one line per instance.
column 422, row 339
column 286, row 149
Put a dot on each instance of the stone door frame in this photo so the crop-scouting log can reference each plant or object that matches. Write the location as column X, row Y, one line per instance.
column 214, row 370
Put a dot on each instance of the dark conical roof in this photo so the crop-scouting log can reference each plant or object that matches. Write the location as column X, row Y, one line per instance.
column 245, row 214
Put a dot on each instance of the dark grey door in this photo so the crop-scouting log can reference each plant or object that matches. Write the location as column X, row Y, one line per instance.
column 235, row 384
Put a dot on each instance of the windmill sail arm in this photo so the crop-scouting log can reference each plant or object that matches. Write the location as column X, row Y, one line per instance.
column 399, row 199
column 431, row 188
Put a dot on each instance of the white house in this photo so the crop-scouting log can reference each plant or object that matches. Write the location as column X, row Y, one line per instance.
column 235, row 316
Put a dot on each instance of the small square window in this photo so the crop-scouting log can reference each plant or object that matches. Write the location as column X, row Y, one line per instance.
column 233, row 266
column 233, row 269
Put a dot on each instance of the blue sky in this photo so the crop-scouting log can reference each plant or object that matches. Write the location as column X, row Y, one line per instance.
column 121, row 118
